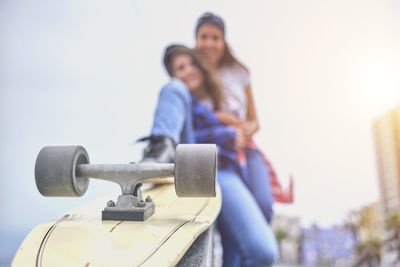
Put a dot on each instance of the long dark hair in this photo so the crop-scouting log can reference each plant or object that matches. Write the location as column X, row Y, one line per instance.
column 211, row 85
column 228, row 59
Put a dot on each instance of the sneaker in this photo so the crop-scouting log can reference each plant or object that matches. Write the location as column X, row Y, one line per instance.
column 161, row 149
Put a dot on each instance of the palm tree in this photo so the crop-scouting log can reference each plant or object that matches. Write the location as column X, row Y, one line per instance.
column 375, row 246
column 393, row 225
column 369, row 252
column 280, row 235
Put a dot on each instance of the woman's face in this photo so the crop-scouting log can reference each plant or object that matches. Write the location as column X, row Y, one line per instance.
column 210, row 42
column 185, row 70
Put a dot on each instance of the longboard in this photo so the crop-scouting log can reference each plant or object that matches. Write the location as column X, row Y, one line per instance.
column 81, row 238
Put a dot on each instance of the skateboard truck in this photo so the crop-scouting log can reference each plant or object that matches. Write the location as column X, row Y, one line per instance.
column 129, row 207
column 65, row 171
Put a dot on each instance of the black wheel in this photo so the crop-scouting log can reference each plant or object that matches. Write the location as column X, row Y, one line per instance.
column 195, row 170
column 55, row 171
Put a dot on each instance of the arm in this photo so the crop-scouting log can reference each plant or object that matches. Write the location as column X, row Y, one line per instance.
column 227, row 118
column 251, row 125
column 220, row 135
column 209, row 129
column 227, row 137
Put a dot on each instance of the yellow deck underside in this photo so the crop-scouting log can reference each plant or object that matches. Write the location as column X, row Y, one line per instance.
column 81, row 238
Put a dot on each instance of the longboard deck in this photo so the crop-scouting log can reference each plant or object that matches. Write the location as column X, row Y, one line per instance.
column 81, row 238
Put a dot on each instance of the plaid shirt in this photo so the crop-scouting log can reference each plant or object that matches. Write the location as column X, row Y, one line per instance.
column 209, row 130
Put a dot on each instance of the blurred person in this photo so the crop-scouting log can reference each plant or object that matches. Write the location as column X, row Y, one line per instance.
column 238, row 111
column 187, row 112
column 173, row 122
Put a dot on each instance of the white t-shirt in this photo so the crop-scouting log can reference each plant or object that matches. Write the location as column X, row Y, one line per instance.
column 234, row 81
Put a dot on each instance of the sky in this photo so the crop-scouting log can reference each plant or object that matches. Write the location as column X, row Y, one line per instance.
column 89, row 72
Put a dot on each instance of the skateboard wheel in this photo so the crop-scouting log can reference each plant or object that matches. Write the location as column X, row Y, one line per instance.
column 55, row 171
column 195, row 170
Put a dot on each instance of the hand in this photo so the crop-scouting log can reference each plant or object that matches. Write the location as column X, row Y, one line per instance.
column 249, row 128
column 240, row 140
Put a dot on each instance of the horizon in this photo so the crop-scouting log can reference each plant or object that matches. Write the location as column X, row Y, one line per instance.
column 89, row 73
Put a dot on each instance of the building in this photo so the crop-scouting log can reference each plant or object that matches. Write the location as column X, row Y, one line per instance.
column 366, row 226
column 328, row 246
column 387, row 145
column 370, row 224
column 290, row 245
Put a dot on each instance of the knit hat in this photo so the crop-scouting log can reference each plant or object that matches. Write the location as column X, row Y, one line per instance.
column 172, row 51
column 210, row 18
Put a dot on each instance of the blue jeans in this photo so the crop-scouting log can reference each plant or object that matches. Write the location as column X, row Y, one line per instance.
column 173, row 115
column 247, row 238
column 259, row 181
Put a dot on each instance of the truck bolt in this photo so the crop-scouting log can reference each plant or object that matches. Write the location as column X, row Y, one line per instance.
column 141, row 203
column 110, row 203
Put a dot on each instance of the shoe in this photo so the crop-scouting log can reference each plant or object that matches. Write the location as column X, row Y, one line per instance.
column 161, row 149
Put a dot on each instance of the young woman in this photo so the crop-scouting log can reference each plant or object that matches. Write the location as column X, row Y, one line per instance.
column 173, row 123
column 247, row 237
column 238, row 110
